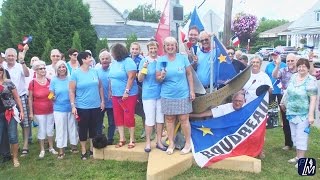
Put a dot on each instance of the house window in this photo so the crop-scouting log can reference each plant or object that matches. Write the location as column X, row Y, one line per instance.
column 318, row 16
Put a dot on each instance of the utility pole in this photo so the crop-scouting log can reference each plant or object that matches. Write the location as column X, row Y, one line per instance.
column 227, row 22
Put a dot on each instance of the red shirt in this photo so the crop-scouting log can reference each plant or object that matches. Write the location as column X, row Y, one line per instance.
column 41, row 104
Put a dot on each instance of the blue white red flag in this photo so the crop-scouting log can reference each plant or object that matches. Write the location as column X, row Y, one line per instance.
column 195, row 20
column 223, row 68
column 238, row 133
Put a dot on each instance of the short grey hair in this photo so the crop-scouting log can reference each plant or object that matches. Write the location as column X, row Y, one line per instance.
column 38, row 63
column 11, row 50
column 105, row 52
column 257, row 57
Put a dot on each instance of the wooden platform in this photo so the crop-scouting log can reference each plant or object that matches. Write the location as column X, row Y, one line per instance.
column 163, row 166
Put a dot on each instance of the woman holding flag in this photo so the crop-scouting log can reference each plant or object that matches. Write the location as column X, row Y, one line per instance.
column 173, row 70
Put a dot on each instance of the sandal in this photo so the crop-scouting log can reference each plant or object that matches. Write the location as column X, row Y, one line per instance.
column 16, row 163
column 24, row 152
column 132, row 145
column 120, row 144
column 61, row 156
column 84, row 156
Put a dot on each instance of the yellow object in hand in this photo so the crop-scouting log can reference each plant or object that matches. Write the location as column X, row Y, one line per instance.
column 144, row 71
column 50, row 96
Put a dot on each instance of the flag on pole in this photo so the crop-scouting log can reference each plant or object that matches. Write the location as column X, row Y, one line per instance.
column 223, row 67
column 237, row 133
column 235, row 40
column 163, row 30
column 195, row 20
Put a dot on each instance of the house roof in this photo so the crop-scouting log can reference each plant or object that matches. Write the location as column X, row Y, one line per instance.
column 124, row 30
column 308, row 19
column 115, row 9
column 275, row 32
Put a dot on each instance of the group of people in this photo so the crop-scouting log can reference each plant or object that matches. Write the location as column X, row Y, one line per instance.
column 74, row 96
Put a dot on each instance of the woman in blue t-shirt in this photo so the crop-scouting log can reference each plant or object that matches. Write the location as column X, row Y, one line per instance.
column 124, row 92
column 64, row 120
column 177, row 94
column 86, row 98
column 151, row 96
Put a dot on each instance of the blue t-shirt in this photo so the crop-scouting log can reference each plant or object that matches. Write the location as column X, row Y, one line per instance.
column 270, row 67
column 150, row 86
column 203, row 68
column 60, row 88
column 104, row 77
column 87, row 88
column 119, row 77
column 175, row 84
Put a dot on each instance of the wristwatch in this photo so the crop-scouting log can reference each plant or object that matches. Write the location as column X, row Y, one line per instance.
column 127, row 91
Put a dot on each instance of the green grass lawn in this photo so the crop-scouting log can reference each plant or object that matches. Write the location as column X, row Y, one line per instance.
column 274, row 166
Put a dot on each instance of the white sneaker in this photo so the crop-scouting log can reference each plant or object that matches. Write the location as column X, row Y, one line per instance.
column 293, row 160
column 53, row 151
column 41, row 155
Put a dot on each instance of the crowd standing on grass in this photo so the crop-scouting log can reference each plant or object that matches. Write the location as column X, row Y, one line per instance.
column 74, row 96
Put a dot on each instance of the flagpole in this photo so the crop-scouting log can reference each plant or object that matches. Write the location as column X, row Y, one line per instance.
column 211, row 63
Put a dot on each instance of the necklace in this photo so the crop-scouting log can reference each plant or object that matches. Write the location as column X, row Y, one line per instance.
column 41, row 81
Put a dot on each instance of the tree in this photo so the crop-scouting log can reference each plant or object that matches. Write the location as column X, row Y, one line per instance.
column 47, row 51
column 130, row 39
column 53, row 19
column 244, row 25
column 227, row 22
column 76, row 41
column 102, row 44
column 266, row 24
column 145, row 13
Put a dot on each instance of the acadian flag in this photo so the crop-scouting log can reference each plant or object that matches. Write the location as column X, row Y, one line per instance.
column 238, row 133
column 163, row 30
column 235, row 40
column 223, row 68
column 195, row 20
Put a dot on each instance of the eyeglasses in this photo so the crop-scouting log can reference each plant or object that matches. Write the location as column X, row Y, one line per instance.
column 55, row 56
column 290, row 60
column 230, row 53
column 204, row 40
column 74, row 54
column 42, row 68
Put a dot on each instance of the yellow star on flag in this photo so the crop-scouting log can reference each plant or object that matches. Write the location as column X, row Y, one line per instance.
column 205, row 131
column 222, row 58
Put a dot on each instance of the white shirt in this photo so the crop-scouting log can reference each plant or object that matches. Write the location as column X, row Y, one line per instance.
column 253, row 83
column 50, row 71
column 17, row 77
column 222, row 110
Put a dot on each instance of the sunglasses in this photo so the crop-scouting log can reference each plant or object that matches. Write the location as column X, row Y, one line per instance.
column 42, row 68
column 230, row 53
column 74, row 54
column 204, row 40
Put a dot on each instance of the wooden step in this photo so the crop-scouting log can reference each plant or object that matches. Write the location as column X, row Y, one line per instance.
column 124, row 154
column 163, row 166
column 239, row 163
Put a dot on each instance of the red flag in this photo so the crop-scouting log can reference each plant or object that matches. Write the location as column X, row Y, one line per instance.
column 163, row 30
column 235, row 40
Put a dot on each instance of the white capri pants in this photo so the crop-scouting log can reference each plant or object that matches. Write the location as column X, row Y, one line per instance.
column 298, row 136
column 65, row 125
column 46, row 124
column 152, row 111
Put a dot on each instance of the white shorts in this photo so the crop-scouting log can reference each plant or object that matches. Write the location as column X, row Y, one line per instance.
column 152, row 110
column 298, row 136
column 46, row 124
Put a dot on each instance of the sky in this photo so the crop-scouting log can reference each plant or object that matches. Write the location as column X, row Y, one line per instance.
column 271, row 9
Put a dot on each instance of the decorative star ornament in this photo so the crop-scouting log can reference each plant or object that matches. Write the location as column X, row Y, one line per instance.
column 222, row 58
column 205, row 131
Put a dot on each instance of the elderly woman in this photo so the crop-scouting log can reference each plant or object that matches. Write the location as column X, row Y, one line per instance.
column 103, row 73
column 124, row 91
column 256, row 79
column 151, row 96
column 86, row 98
column 173, row 70
column 63, row 118
column 284, row 75
column 41, row 108
column 300, row 107
column 9, row 98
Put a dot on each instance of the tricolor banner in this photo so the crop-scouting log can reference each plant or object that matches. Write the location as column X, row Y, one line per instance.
column 235, row 40
column 238, row 133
